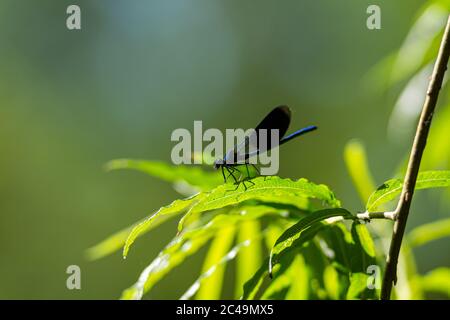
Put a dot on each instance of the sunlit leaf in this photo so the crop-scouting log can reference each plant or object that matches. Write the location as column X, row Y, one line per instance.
column 358, row 284
column 288, row 238
column 363, row 257
column 173, row 255
column 358, row 168
column 290, row 282
column 412, row 53
column 244, row 213
column 250, row 257
column 127, row 236
column 429, row 232
column 331, row 280
column 392, row 188
column 252, row 286
column 363, row 237
column 271, row 189
column 109, row 245
column 225, row 259
column 188, row 243
column 212, row 286
column 438, row 152
column 164, row 213
column 273, row 232
column 192, row 175
column 437, row 280
column 408, row 106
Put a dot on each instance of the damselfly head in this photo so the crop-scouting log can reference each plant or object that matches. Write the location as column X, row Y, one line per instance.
column 218, row 163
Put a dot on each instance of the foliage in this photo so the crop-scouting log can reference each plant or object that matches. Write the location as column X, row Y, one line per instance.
column 292, row 239
column 326, row 257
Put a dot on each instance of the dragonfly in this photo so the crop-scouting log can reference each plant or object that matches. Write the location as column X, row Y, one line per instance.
column 277, row 119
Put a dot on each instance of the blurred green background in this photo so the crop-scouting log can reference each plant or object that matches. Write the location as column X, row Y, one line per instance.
column 72, row 100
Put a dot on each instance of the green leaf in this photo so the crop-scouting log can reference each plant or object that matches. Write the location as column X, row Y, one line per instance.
column 212, row 286
column 291, row 281
column 268, row 189
column 249, row 258
column 316, row 261
column 331, row 280
column 192, row 175
column 125, row 238
column 358, row 284
column 109, row 245
column 288, row 238
column 179, row 206
column 252, row 286
column 420, row 37
column 392, row 188
column 225, row 259
column 437, row 280
column 358, row 168
column 188, row 243
column 173, row 255
column 164, row 213
column 273, row 232
column 350, row 252
column 429, row 232
column 438, row 157
column 337, row 243
column 363, row 255
column 363, row 238
column 414, row 52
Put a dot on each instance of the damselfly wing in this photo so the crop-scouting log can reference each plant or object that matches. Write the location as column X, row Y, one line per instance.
column 260, row 140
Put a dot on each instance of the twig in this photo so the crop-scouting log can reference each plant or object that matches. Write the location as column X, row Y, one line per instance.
column 367, row 216
column 420, row 140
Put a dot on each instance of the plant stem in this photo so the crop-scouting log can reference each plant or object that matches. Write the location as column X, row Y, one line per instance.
column 420, row 140
column 389, row 215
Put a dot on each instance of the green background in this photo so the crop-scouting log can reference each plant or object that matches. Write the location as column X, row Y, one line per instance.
column 72, row 100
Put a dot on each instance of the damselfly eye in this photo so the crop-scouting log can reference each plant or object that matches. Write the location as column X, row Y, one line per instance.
column 217, row 164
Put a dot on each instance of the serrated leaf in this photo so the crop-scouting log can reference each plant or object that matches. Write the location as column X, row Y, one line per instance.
column 270, row 189
column 429, row 232
column 192, row 175
column 164, row 213
column 392, row 188
column 124, row 238
column 287, row 239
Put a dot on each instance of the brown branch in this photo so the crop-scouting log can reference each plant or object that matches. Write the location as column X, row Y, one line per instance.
column 420, row 140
